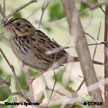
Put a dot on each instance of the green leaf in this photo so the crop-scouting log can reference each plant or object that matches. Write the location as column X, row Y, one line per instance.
column 33, row 72
column 59, row 76
column 70, row 82
column 82, row 8
column 92, row 1
column 70, row 89
column 55, row 11
column 42, row 97
column 8, row 79
column 10, row 100
column 55, row 106
column 17, row 15
column 4, row 92
column 22, row 81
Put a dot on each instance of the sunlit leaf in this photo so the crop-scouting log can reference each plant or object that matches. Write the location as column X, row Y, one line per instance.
column 59, row 76
column 70, row 89
column 17, row 15
column 41, row 99
column 33, row 72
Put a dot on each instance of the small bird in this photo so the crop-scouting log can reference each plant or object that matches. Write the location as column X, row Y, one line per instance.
column 30, row 45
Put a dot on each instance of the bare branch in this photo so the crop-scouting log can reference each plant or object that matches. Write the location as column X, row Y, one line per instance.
column 17, row 10
column 1, row 11
column 4, row 7
column 45, row 5
column 91, row 36
column 29, row 82
column 58, row 92
column 93, row 5
column 54, row 23
column 80, row 86
column 16, row 78
column 106, row 53
column 97, row 39
column 2, row 81
column 77, row 33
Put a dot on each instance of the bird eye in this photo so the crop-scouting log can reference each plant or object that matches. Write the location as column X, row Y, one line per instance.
column 18, row 24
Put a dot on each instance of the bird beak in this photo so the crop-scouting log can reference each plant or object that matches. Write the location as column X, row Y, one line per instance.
column 7, row 25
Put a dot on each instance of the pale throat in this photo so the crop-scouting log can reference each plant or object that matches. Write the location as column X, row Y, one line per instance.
column 9, row 34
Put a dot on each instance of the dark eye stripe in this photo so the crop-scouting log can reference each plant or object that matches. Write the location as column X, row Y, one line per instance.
column 18, row 29
column 15, row 32
column 28, row 26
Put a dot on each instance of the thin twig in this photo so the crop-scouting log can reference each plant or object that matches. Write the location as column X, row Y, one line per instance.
column 97, row 39
column 52, row 92
column 54, row 82
column 80, row 86
column 2, row 81
column 17, row 10
column 100, row 43
column 91, row 5
column 45, row 5
column 29, row 82
column 1, row 11
column 90, row 36
column 4, row 8
column 58, row 92
column 54, row 23
column 16, row 78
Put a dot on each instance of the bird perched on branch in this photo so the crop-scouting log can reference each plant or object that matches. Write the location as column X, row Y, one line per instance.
column 30, row 45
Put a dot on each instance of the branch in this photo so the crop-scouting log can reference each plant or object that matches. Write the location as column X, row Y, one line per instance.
column 77, row 33
column 106, row 53
column 17, row 10
column 4, row 8
column 43, row 10
column 29, row 82
column 1, row 11
column 90, row 5
column 97, row 39
column 13, row 70
column 2, row 81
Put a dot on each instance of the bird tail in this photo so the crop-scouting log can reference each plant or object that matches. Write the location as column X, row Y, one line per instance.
column 76, row 59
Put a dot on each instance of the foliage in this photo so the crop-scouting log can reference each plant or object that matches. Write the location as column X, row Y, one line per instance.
column 55, row 11
column 10, row 100
column 17, row 15
column 59, row 76
column 22, row 81
column 4, row 92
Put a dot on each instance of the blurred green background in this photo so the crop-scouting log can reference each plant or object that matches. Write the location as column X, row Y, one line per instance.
column 54, row 24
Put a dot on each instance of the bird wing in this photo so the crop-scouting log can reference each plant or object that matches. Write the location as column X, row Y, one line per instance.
column 42, row 43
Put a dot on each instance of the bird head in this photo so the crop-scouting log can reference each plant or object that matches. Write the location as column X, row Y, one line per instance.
column 18, row 27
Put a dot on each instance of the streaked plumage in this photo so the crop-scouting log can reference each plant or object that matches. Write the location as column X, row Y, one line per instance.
column 30, row 45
